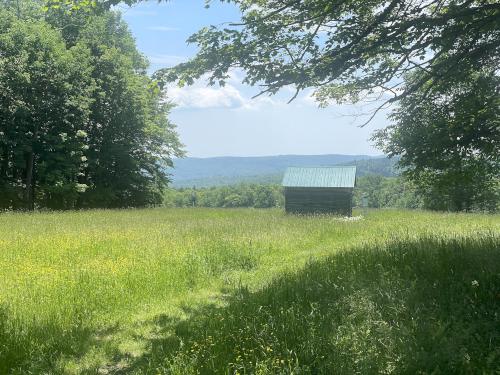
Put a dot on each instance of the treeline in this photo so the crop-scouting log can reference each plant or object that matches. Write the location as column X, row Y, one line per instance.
column 380, row 192
column 386, row 192
column 401, row 192
column 242, row 195
column 81, row 123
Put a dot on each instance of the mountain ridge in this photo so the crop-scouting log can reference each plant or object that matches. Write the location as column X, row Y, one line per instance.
column 230, row 170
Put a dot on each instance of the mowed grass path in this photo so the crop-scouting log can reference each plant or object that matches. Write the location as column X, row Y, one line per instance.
column 248, row 291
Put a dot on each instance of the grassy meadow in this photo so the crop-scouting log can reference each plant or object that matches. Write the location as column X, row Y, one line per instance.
column 245, row 291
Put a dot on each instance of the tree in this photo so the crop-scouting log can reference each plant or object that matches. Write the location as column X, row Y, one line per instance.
column 131, row 139
column 448, row 137
column 242, row 195
column 44, row 105
column 382, row 192
column 81, row 123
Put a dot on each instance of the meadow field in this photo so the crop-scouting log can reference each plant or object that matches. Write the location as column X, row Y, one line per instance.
column 246, row 291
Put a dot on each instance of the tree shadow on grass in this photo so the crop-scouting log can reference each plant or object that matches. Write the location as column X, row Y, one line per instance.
column 36, row 348
column 412, row 306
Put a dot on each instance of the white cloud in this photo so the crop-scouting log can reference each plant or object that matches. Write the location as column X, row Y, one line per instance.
column 234, row 95
column 206, row 97
column 230, row 96
column 163, row 28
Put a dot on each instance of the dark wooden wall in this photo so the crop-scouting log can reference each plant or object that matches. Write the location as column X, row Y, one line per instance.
column 319, row 200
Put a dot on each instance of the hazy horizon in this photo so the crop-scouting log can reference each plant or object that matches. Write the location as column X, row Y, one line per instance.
column 276, row 155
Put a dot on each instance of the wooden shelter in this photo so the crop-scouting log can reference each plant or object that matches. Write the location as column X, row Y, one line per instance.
column 319, row 189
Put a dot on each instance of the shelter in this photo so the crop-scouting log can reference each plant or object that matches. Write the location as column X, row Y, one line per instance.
column 319, row 189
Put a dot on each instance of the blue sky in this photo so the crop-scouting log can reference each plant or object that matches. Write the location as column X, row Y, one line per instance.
column 214, row 121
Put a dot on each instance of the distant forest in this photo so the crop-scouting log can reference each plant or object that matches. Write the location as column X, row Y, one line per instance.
column 378, row 178
column 211, row 172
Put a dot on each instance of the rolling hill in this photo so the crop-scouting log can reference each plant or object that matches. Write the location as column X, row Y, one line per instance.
column 218, row 171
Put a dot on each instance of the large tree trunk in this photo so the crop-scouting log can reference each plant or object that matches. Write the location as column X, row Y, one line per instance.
column 29, row 192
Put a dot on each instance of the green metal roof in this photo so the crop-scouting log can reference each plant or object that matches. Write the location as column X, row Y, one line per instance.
column 331, row 177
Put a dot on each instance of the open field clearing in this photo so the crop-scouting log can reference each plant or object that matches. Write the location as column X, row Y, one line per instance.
column 186, row 291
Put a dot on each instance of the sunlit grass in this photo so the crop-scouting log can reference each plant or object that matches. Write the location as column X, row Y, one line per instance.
column 120, row 291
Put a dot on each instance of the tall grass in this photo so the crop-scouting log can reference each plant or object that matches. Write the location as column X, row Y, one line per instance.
column 421, row 306
column 249, row 291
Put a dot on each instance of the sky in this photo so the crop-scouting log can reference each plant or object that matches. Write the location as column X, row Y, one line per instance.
column 226, row 121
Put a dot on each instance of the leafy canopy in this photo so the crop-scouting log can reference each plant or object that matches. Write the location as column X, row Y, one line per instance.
column 347, row 49
column 44, row 107
column 448, row 137
column 81, row 123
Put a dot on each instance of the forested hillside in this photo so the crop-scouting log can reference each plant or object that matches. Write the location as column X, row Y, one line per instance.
column 222, row 171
